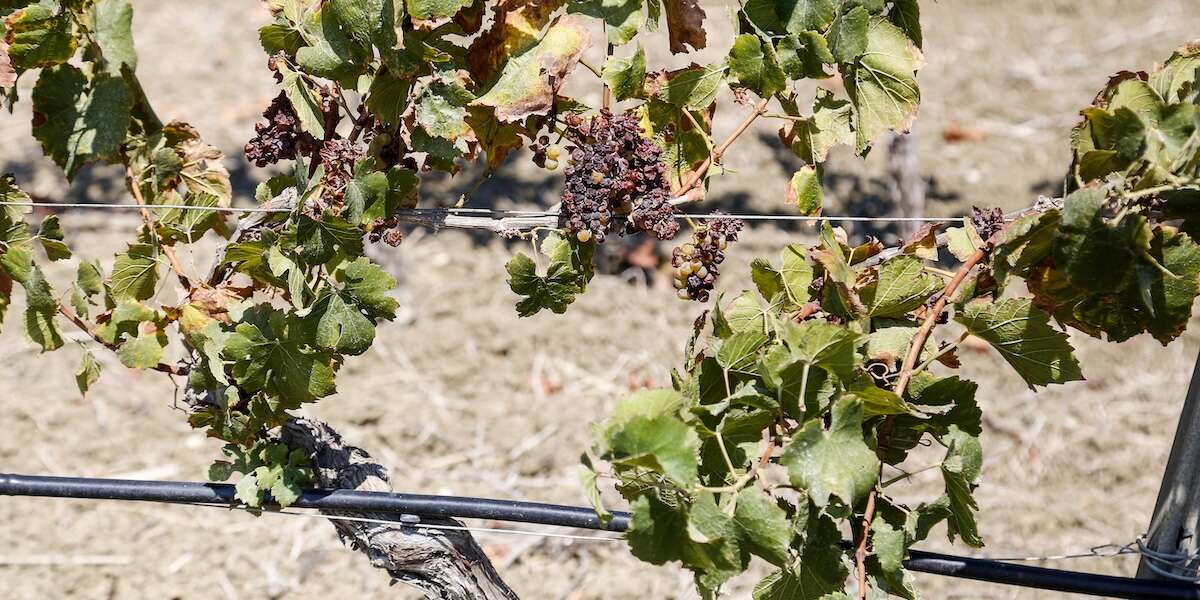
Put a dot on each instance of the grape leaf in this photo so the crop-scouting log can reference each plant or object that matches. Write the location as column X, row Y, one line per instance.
column 144, row 350
column 340, row 326
column 663, row 444
column 901, row 286
column 621, row 17
column 1098, row 254
column 848, row 34
column 40, row 311
column 78, row 120
column 431, row 13
column 881, row 84
column 960, row 470
column 755, row 66
column 826, row 345
column 804, row 15
column 626, row 76
column 804, row 55
column 39, row 35
column 51, row 237
column 135, row 273
column 819, row 573
column 693, row 87
column 830, row 125
column 1176, row 79
column 367, row 284
column 268, row 355
column 112, row 27
column 88, row 372
column 303, row 99
column 318, row 241
column 837, row 463
column 685, row 25
column 762, row 525
column 804, row 190
column 528, row 82
column 1023, row 336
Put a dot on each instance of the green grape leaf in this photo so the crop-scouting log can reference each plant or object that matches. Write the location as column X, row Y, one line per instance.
column 527, row 84
column 589, row 478
column 135, row 273
column 804, row 55
column 569, row 272
column 51, row 237
column 848, row 34
column 431, row 13
column 78, row 120
column 40, row 311
column 626, row 76
column 112, row 28
column 799, row 16
column 693, row 87
column 1173, row 293
column 837, row 463
column 39, row 35
column 663, row 444
column 1023, row 336
column 1023, row 244
column 1176, row 78
column 755, row 66
column 888, row 544
column 303, row 99
column 318, row 241
column 622, row 18
column 804, row 190
column 830, row 125
column 762, row 525
column 367, row 284
column 739, row 351
column 1098, row 254
column 341, row 327
column 825, row 345
column 124, row 320
column 901, row 286
column 791, row 280
column 906, row 14
column 144, row 350
column 881, row 84
column 960, row 470
column 657, row 532
column 440, row 106
column 88, row 372
column 820, row 572
column 268, row 355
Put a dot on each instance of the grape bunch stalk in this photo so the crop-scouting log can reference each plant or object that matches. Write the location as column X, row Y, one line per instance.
column 616, row 180
column 697, row 263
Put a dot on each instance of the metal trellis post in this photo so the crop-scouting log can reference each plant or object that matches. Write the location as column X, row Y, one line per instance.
column 1175, row 525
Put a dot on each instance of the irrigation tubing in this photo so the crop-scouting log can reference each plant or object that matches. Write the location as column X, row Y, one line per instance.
column 567, row 516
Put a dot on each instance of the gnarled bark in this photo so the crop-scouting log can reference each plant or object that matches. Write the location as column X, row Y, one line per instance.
column 445, row 564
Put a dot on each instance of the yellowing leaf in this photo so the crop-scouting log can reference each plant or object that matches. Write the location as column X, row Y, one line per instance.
column 804, row 190
column 529, row 81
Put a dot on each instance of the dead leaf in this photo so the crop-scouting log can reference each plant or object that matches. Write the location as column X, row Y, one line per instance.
column 685, row 25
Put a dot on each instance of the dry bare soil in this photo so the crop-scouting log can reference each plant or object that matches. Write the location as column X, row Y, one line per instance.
column 468, row 399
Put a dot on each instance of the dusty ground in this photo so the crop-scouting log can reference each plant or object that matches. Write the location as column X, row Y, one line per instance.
column 468, row 399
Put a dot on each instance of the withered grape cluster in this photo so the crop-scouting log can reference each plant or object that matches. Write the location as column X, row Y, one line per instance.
column 697, row 263
column 337, row 161
column 276, row 139
column 614, row 171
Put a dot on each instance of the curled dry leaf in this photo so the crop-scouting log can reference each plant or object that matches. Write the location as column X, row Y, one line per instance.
column 685, row 25
column 528, row 82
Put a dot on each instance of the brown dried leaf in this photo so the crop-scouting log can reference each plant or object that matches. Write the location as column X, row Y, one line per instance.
column 685, row 25
column 8, row 76
column 528, row 83
column 516, row 27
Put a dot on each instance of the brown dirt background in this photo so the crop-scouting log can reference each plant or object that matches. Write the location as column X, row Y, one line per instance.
column 468, row 399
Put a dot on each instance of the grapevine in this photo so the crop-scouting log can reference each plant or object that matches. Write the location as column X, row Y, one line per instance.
column 794, row 402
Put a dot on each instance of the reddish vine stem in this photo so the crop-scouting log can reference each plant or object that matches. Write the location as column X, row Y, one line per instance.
column 148, row 219
column 698, row 175
column 906, row 371
column 95, row 335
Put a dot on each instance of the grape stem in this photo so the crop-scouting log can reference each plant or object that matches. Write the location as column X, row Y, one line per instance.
column 715, row 157
column 906, row 371
column 148, row 219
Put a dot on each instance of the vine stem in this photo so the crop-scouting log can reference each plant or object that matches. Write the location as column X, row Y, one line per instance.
column 95, row 335
column 906, row 372
column 698, row 175
column 167, row 251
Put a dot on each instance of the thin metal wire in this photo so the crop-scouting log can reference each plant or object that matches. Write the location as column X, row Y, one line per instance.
column 489, row 211
column 417, row 525
column 1101, row 551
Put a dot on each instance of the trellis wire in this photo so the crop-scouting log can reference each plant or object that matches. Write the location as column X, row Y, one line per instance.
column 571, row 516
column 487, row 212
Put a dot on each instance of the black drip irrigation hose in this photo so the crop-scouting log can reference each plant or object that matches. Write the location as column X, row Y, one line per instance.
column 185, row 492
